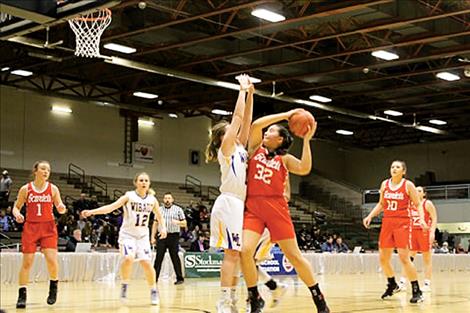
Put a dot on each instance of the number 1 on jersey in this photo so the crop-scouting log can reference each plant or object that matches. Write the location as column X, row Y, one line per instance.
column 39, row 209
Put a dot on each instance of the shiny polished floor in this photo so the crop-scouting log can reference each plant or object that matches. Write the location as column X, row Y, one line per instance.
column 345, row 293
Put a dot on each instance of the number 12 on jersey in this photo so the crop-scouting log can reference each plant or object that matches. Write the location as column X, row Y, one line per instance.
column 141, row 219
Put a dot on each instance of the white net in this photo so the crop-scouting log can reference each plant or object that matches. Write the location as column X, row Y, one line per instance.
column 88, row 29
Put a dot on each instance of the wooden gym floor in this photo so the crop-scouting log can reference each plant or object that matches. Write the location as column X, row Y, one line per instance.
column 344, row 293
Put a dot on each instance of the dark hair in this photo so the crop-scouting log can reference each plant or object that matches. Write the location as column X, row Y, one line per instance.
column 425, row 192
column 168, row 193
column 287, row 140
column 217, row 131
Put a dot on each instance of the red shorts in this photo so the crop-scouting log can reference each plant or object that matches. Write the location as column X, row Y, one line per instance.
column 271, row 213
column 44, row 233
column 395, row 233
column 420, row 240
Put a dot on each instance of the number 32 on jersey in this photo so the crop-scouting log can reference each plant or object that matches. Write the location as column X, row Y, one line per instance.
column 263, row 173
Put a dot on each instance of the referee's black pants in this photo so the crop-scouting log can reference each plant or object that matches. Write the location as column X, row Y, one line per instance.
column 171, row 242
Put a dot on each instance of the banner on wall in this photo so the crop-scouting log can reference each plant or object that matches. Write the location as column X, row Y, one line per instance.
column 202, row 264
column 143, row 153
column 278, row 265
column 205, row 264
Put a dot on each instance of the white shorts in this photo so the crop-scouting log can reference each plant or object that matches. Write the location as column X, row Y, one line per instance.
column 227, row 222
column 139, row 249
column 263, row 249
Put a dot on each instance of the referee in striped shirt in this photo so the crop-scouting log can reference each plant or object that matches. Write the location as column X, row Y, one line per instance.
column 174, row 219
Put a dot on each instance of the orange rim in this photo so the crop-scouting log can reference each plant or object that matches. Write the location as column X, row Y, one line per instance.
column 93, row 19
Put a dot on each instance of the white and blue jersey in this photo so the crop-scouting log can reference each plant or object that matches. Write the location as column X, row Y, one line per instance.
column 227, row 211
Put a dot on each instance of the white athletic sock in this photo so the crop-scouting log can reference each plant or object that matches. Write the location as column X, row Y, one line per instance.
column 233, row 293
column 262, row 275
column 225, row 293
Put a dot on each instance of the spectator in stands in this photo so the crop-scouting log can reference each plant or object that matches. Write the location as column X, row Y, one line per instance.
column 94, row 202
column 72, row 242
column 5, row 221
column 186, row 235
column 5, row 187
column 459, row 249
column 435, row 247
column 204, row 217
column 81, row 222
column 200, row 245
column 308, row 243
column 81, row 204
column 328, row 246
column 87, row 231
column 195, row 233
column 301, row 236
column 13, row 225
column 340, row 246
column 189, row 213
column 444, row 248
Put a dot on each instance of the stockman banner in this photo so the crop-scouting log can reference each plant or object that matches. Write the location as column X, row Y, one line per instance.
column 202, row 264
column 278, row 265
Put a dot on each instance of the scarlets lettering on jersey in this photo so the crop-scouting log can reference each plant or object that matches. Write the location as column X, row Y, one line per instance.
column 39, row 205
column 396, row 200
column 266, row 175
column 415, row 216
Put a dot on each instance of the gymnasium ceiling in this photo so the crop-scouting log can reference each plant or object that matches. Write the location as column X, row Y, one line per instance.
column 321, row 48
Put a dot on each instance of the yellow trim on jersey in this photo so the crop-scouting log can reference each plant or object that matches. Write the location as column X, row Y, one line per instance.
column 221, row 236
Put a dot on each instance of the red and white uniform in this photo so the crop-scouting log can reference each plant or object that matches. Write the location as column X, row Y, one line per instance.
column 419, row 236
column 395, row 232
column 40, row 224
column 265, row 204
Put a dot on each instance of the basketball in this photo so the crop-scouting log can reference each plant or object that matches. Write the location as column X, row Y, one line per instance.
column 299, row 123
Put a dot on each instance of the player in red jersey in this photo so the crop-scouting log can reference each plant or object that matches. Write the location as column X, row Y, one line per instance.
column 396, row 195
column 39, row 228
column 422, row 239
column 266, row 206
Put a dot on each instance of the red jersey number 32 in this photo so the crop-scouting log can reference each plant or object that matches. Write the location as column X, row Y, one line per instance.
column 263, row 173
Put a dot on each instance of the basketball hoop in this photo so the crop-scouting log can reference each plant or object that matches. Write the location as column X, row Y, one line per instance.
column 88, row 29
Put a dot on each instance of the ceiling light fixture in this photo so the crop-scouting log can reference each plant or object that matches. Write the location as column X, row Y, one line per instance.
column 320, row 98
column 22, row 73
column 120, row 48
column 145, row 95
column 221, row 112
column 447, row 76
column 437, row 122
column 385, row 55
column 61, row 109
column 268, row 15
column 344, row 132
column 393, row 113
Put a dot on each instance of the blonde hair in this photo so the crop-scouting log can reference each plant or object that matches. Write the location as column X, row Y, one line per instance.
column 150, row 191
column 36, row 166
column 217, row 131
